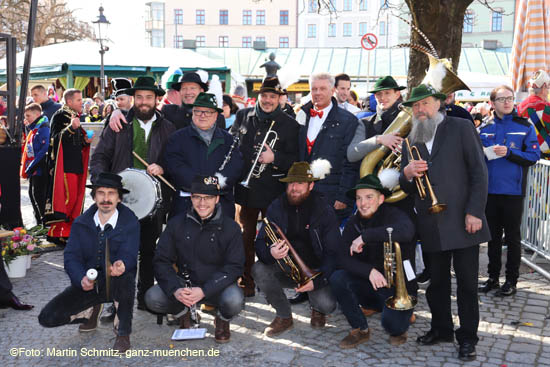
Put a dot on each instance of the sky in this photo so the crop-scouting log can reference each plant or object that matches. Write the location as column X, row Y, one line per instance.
column 126, row 18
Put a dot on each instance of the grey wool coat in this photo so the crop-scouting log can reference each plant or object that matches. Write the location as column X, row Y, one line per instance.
column 458, row 174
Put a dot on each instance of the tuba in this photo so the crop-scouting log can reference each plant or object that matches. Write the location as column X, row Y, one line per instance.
column 401, row 301
column 443, row 79
column 292, row 264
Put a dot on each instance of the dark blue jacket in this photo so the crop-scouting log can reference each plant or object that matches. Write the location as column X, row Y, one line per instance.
column 40, row 145
column 508, row 175
column 323, row 231
column 332, row 144
column 457, row 111
column 83, row 250
column 187, row 155
column 49, row 108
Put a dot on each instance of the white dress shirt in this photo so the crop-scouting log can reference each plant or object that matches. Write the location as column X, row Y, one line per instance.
column 316, row 123
column 112, row 221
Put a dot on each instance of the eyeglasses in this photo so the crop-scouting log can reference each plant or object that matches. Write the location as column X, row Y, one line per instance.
column 203, row 113
column 206, row 198
column 504, row 99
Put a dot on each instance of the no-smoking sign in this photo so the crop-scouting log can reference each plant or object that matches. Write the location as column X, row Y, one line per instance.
column 369, row 41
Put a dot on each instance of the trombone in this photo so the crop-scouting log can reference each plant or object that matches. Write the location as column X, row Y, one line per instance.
column 436, row 207
column 257, row 169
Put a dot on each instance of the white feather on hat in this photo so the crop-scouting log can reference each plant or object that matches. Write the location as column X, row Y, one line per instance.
column 389, row 178
column 320, row 168
column 288, row 76
column 222, row 180
column 203, row 75
column 215, row 87
column 168, row 73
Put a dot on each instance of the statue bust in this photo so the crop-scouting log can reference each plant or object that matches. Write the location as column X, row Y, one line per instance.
column 271, row 66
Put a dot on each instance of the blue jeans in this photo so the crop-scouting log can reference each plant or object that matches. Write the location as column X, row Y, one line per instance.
column 352, row 291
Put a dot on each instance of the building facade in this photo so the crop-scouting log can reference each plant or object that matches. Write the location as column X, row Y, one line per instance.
column 218, row 23
column 345, row 23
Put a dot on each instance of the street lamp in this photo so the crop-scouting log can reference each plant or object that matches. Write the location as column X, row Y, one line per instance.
column 102, row 49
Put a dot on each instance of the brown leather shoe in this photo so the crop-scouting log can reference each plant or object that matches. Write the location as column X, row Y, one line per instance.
column 185, row 320
column 354, row 338
column 278, row 325
column 398, row 339
column 222, row 334
column 122, row 343
column 369, row 311
column 318, row 319
column 412, row 320
column 91, row 324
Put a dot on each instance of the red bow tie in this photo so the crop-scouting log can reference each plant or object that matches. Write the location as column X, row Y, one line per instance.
column 314, row 113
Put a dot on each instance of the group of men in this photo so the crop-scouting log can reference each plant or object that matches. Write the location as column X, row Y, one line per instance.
column 303, row 178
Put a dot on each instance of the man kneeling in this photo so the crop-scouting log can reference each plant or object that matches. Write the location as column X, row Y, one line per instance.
column 360, row 280
column 107, row 226
column 208, row 245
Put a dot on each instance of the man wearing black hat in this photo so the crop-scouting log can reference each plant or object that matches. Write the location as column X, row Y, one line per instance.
column 360, row 279
column 451, row 155
column 106, row 228
column 311, row 227
column 190, row 85
column 251, row 126
column 370, row 131
column 122, row 98
column 203, row 148
column 147, row 135
column 208, row 246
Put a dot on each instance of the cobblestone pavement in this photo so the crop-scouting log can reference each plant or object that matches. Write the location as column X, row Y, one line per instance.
column 24, row 342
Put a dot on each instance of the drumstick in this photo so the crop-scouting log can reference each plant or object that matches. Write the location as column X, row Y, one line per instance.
column 159, row 176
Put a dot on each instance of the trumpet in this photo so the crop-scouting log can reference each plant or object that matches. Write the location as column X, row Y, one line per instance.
column 401, row 301
column 436, row 207
column 257, row 168
column 295, row 267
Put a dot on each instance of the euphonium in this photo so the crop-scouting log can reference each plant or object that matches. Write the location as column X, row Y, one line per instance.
column 295, row 267
column 401, row 301
column 257, row 169
column 443, row 79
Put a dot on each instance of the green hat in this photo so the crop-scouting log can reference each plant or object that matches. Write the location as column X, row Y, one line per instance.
column 174, row 80
column 385, row 83
column 369, row 182
column 207, row 100
column 299, row 172
column 421, row 92
column 145, row 82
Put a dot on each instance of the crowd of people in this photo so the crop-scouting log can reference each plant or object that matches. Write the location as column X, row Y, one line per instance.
column 221, row 167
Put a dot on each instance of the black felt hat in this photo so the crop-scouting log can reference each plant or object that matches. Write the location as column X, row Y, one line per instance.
column 146, row 82
column 272, row 85
column 206, row 185
column 119, row 86
column 193, row 77
column 107, row 179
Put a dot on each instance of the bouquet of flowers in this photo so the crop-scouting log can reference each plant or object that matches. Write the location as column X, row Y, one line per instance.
column 19, row 244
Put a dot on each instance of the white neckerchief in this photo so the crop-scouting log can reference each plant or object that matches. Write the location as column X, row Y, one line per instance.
column 316, row 123
column 146, row 126
column 112, row 221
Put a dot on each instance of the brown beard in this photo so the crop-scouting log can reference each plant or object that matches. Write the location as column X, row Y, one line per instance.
column 295, row 201
column 144, row 116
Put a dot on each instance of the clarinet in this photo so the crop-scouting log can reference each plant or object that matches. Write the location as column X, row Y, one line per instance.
column 228, row 155
column 193, row 308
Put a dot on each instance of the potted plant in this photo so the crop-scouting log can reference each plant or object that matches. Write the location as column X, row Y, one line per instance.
column 16, row 251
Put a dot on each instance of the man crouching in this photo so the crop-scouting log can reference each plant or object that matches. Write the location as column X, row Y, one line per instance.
column 107, row 227
column 208, row 245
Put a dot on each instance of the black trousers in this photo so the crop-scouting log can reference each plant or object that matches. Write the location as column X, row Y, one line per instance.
column 150, row 229
column 74, row 300
column 504, row 214
column 438, row 294
column 38, row 186
column 5, row 284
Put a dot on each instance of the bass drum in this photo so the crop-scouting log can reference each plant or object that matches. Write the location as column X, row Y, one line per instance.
column 145, row 196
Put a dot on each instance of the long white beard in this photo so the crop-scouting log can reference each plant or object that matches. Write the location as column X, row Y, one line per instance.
column 423, row 131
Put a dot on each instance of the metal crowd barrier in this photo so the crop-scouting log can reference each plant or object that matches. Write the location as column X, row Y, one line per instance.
column 535, row 224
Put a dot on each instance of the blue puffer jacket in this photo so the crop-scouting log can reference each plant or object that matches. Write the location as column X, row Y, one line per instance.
column 508, row 176
column 39, row 145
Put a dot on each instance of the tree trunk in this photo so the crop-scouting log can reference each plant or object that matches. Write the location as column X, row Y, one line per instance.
column 441, row 21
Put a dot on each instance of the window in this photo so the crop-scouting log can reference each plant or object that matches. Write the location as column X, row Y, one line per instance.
column 311, row 30
column 382, row 28
column 247, row 17
column 200, row 41
column 178, row 16
column 200, row 16
column 347, row 5
column 332, row 30
column 178, row 41
column 260, row 17
column 363, row 5
column 283, row 42
column 347, row 29
column 497, row 22
column 224, row 16
column 260, row 39
column 247, row 42
column 362, row 28
column 158, row 11
column 283, row 17
column 469, row 22
column 157, row 38
column 223, row 41
column 313, row 6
